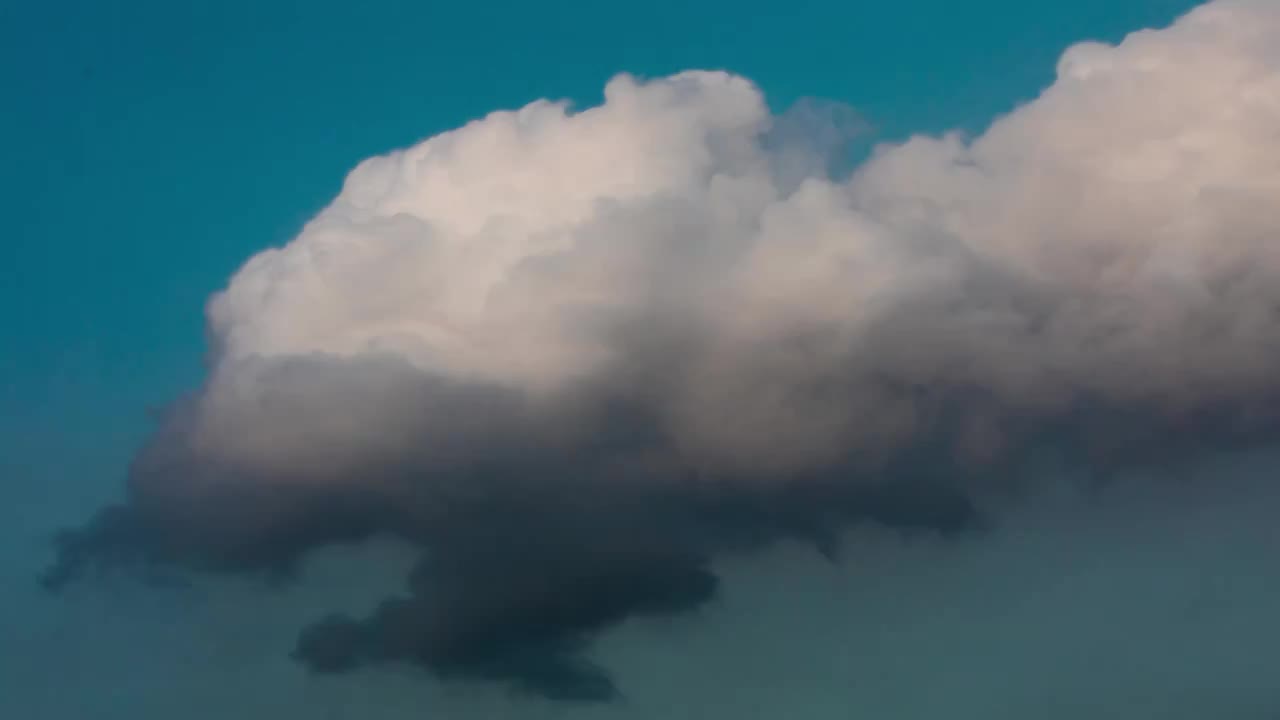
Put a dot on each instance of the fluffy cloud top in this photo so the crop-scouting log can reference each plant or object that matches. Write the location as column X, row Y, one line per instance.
column 1112, row 240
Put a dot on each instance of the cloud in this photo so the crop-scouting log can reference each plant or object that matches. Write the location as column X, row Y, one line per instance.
column 575, row 356
column 1144, row 600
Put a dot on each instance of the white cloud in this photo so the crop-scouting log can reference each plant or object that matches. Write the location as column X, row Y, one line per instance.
column 1111, row 240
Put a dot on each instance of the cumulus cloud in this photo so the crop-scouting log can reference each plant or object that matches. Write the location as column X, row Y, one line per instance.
column 576, row 354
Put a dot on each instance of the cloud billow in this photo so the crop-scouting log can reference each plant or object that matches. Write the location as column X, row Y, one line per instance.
column 576, row 355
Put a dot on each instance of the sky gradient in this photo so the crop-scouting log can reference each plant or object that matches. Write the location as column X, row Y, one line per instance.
column 158, row 148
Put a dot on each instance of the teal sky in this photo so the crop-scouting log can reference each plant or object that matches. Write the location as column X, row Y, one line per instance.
column 153, row 146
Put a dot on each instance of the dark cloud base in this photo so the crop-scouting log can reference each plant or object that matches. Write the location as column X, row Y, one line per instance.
column 530, row 549
column 509, row 588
